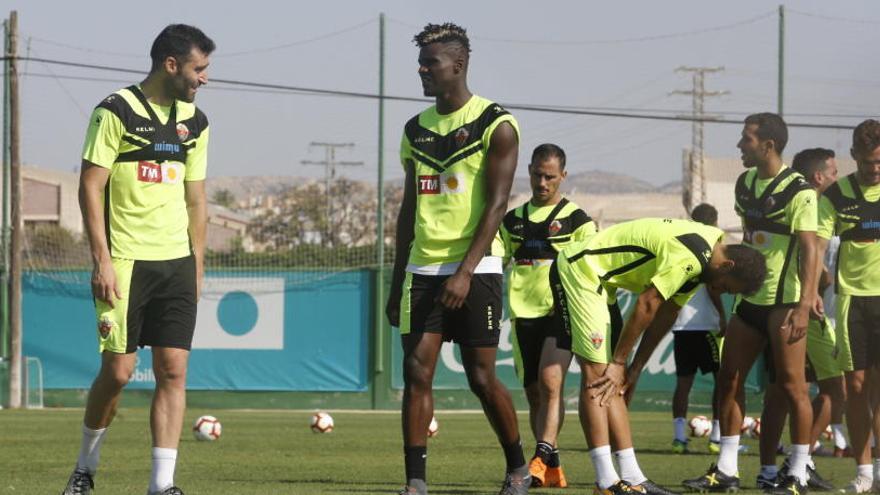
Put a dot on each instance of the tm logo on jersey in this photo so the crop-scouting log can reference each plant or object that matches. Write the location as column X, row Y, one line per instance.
column 166, row 173
column 448, row 183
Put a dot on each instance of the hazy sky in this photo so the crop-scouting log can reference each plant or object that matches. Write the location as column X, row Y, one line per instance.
column 619, row 54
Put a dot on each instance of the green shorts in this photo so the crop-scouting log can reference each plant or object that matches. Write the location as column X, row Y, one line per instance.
column 822, row 350
column 582, row 305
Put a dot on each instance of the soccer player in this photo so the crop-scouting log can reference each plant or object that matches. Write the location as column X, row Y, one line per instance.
column 663, row 261
column 778, row 210
column 142, row 195
column 533, row 235
column 850, row 209
column 697, row 334
column 819, row 167
column 460, row 158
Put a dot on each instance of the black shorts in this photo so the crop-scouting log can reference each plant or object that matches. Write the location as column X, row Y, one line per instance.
column 476, row 324
column 158, row 308
column 757, row 316
column 695, row 350
column 858, row 320
column 530, row 334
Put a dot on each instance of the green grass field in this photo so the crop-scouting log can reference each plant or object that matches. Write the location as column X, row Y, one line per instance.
column 275, row 452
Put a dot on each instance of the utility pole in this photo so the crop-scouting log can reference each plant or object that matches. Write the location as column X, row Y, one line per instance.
column 694, row 169
column 4, row 230
column 17, row 224
column 329, row 163
column 379, row 338
column 780, row 80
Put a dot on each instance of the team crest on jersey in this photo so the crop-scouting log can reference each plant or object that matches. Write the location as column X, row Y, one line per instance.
column 182, row 132
column 770, row 203
column 597, row 339
column 461, row 136
column 554, row 228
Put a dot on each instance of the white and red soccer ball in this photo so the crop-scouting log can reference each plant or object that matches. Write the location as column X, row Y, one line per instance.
column 748, row 426
column 433, row 428
column 207, row 428
column 700, row 426
column 321, row 423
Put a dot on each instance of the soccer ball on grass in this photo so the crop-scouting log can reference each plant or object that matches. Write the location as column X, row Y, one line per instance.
column 322, row 423
column 207, row 428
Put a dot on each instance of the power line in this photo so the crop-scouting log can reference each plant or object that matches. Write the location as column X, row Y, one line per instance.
column 373, row 96
column 216, row 55
column 639, row 39
column 833, row 18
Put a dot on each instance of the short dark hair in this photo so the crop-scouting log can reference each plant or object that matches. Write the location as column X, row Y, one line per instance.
column 443, row 33
column 866, row 137
column 178, row 40
column 770, row 127
column 749, row 266
column 547, row 151
column 705, row 214
column 809, row 161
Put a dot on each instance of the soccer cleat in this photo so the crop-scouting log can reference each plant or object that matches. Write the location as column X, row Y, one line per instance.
column 766, row 483
column 789, row 485
column 842, row 452
column 516, row 486
column 168, row 491
column 80, row 483
column 714, row 447
column 713, row 481
column 679, row 447
column 554, row 478
column 648, row 487
column 619, row 488
column 860, row 484
column 538, row 470
column 816, row 482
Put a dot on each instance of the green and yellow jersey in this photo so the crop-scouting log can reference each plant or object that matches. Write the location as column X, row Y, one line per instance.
column 151, row 151
column 672, row 255
column 532, row 237
column 852, row 211
column 448, row 156
column 773, row 211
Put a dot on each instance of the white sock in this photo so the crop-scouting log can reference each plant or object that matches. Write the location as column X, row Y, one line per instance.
column 865, row 471
column 629, row 467
column 817, row 445
column 678, row 425
column 800, row 455
column 162, row 476
column 715, row 435
column 727, row 459
column 769, row 471
column 839, row 437
column 877, row 469
column 605, row 473
column 90, row 449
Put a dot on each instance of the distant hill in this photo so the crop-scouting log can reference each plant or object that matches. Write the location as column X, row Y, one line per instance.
column 589, row 182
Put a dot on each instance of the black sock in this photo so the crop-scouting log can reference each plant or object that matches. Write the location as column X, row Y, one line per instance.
column 415, row 459
column 554, row 459
column 543, row 450
column 513, row 454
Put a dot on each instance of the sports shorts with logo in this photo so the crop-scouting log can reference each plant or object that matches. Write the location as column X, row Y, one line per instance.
column 528, row 336
column 476, row 324
column 696, row 350
column 582, row 306
column 158, row 306
column 822, row 351
column 858, row 331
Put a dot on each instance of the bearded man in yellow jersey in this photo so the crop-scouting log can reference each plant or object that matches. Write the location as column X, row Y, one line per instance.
column 142, row 195
column 850, row 208
column 778, row 208
column 459, row 157
column 533, row 234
